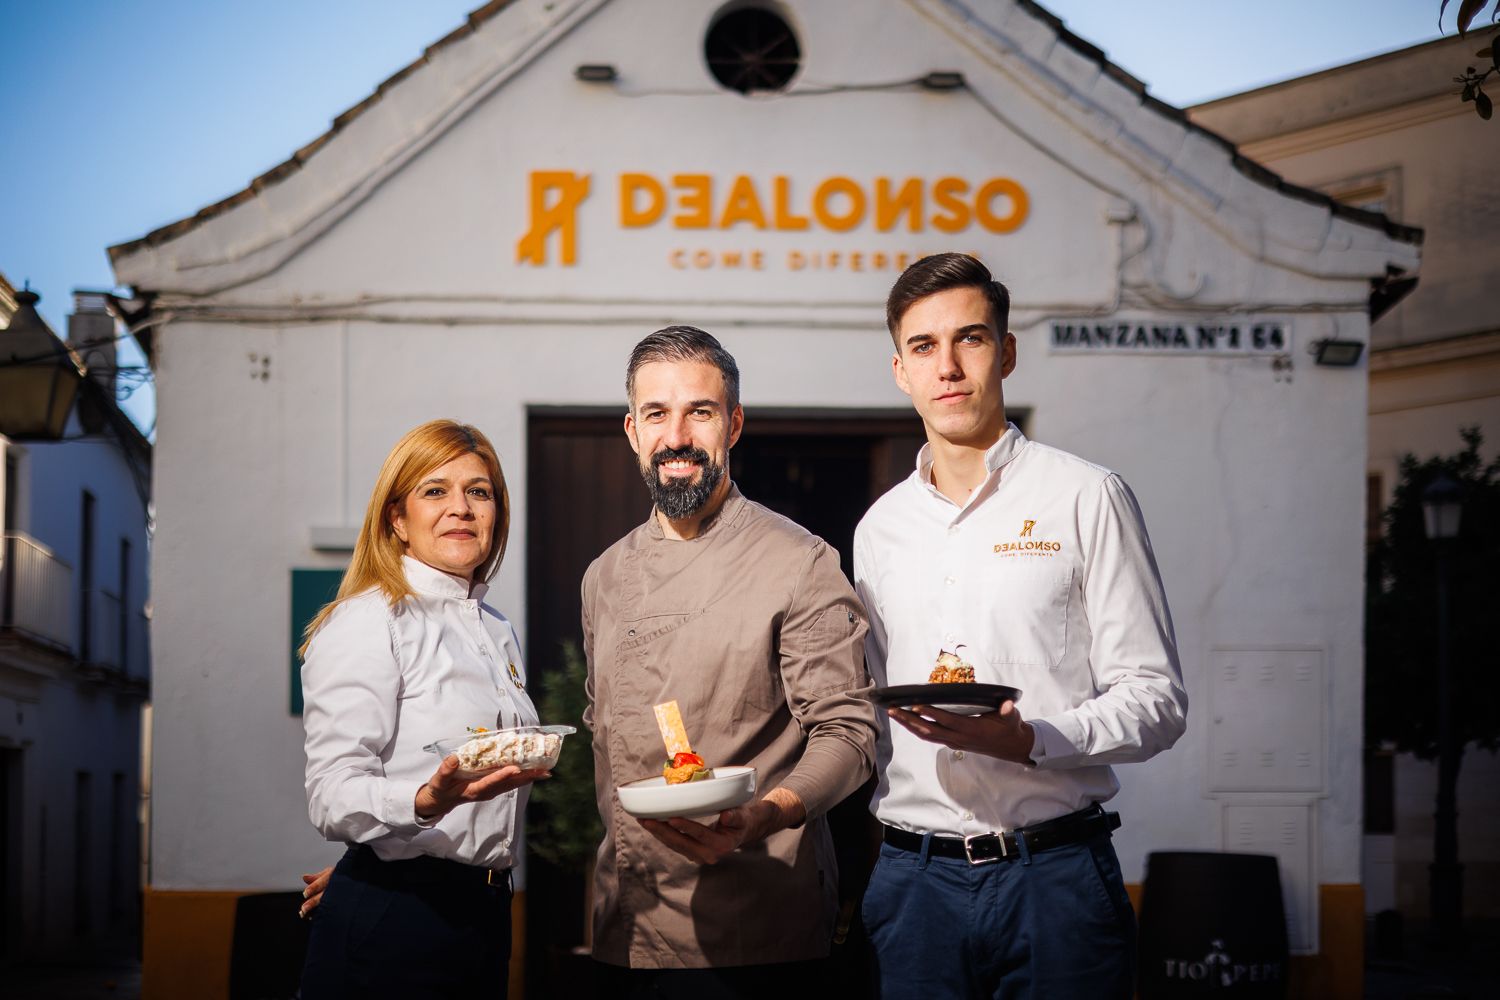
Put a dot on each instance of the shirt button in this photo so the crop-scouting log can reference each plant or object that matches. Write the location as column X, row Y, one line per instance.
column 950, row 581
column 968, row 815
column 948, row 639
column 631, row 632
column 958, row 755
column 484, row 651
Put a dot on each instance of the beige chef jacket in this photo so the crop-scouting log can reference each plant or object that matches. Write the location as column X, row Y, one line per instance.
column 754, row 631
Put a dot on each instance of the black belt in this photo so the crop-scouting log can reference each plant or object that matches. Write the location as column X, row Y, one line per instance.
column 984, row 848
column 423, row 870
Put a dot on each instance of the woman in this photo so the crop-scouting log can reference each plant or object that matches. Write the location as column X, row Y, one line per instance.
column 406, row 654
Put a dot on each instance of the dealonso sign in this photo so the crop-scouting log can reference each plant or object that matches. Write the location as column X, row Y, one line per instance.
column 838, row 204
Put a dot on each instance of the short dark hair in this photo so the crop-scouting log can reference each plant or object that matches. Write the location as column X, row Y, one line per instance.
column 684, row 343
column 939, row 273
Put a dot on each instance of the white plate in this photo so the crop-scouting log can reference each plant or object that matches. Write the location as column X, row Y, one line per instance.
column 653, row 798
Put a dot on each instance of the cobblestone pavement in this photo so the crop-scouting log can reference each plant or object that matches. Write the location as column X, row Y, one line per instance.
column 1420, row 971
column 114, row 981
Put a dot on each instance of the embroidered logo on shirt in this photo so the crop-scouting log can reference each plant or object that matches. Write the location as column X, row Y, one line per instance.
column 515, row 675
column 1027, row 548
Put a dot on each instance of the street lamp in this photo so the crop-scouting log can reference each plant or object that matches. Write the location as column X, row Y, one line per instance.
column 39, row 375
column 1442, row 506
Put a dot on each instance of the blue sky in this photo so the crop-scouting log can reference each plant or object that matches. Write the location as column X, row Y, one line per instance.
column 123, row 116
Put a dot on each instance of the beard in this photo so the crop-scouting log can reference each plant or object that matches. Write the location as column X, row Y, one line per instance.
column 680, row 496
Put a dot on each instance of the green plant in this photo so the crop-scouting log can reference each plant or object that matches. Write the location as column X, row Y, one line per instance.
column 562, row 823
column 1473, row 80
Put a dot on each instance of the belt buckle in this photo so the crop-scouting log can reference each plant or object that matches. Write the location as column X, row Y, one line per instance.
column 969, row 848
column 498, row 879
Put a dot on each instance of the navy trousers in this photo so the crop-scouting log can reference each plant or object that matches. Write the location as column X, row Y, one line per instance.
column 1048, row 926
column 407, row 929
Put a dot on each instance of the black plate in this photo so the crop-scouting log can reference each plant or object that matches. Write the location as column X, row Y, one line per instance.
column 946, row 696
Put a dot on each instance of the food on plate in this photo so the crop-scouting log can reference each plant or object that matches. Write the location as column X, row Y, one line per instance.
column 951, row 669
column 685, row 767
column 486, row 750
column 682, row 764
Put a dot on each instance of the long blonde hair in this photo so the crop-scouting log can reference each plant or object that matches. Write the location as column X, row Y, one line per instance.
column 377, row 553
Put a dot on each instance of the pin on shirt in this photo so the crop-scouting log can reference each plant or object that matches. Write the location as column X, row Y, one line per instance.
column 515, row 675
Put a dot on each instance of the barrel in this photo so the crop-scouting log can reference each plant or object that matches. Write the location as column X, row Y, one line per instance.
column 1212, row 924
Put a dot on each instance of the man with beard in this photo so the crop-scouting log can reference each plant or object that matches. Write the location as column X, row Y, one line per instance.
column 745, row 620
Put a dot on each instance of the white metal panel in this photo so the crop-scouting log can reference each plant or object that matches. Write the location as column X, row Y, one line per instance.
column 1285, row 831
column 1267, row 710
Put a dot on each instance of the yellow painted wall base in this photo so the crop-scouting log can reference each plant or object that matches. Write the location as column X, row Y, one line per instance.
column 185, row 944
column 188, row 937
column 1337, row 971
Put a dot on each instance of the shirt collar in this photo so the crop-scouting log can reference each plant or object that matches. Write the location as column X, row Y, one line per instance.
column 431, row 582
column 999, row 454
column 729, row 511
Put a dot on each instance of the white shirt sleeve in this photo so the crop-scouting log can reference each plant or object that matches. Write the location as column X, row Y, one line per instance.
column 1141, row 706
column 351, row 685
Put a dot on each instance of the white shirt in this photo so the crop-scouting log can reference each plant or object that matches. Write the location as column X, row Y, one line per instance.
column 1046, row 577
column 379, row 684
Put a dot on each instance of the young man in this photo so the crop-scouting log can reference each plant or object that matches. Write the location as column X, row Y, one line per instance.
column 996, row 876
column 745, row 620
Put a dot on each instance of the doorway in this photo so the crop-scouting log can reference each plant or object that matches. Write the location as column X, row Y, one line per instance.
column 584, row 491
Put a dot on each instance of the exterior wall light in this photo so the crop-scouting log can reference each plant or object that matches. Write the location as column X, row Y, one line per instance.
column 596, row 73
column 1331, row 353
column 39, row 375
column 942, row 80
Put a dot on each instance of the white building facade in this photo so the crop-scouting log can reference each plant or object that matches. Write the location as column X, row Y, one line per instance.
column 74, row 679
column 487, row 236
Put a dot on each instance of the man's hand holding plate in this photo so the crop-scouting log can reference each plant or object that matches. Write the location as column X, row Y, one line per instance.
column 1003, row 735
column 735, row 828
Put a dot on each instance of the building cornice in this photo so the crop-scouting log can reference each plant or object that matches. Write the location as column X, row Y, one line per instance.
column 1375, row 123
column 1466, row 347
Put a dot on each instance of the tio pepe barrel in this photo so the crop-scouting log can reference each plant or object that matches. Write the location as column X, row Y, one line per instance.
column 1212, row 924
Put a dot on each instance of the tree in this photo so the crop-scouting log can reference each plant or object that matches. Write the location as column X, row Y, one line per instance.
column 1473, row 80
column 1401, row 610
column 563, row 825
column 1426, row 598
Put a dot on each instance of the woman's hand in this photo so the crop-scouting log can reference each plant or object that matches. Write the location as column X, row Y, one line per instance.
column 446, row 789
column 313, row 894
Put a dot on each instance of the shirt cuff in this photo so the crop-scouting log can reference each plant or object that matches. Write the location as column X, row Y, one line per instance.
column 1049, row 744
column 401, row 806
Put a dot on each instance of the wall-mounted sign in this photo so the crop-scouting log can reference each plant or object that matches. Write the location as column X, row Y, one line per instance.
column 1169, row 336
column 749, row 204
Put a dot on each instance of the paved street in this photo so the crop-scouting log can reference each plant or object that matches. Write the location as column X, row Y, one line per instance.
column 1420, row 974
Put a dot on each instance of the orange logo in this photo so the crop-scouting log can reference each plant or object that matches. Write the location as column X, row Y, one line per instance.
column 1026, row 529
column 559, row 217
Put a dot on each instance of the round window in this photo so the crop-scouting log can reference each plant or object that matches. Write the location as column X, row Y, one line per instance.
column 752, row 48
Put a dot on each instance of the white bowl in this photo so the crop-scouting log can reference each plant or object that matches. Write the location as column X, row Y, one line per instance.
column 653, row 798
